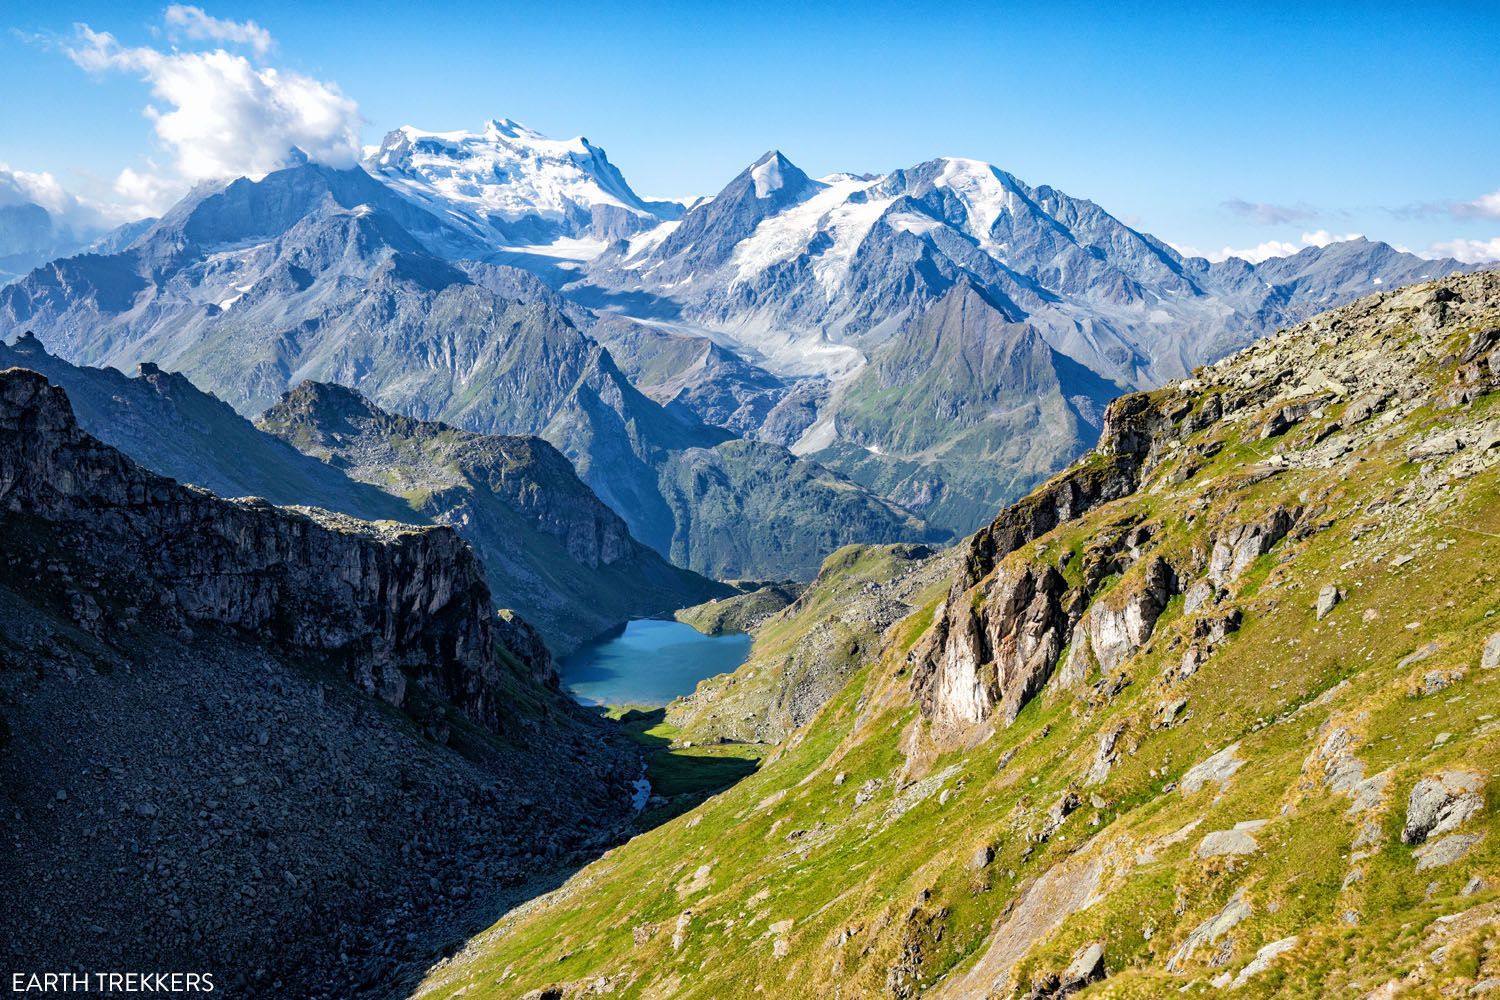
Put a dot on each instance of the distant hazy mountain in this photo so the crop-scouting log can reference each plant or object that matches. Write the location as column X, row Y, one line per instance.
column 322, row 274
column 30, row 236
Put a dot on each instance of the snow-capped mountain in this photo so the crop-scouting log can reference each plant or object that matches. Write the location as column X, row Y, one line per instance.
column 313, row 272
column 514, row 186
column 810, row 275
column 945, row 335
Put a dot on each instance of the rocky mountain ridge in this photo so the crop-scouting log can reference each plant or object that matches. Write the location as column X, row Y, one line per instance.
column 561, row 558
column 404, row 605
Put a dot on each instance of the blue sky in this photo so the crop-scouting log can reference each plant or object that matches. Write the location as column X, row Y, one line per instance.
column 1211, row 125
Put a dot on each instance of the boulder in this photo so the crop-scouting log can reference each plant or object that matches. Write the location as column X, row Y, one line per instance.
column 1087, row 967
column 1442, row 852
column 1234, row 841
column 1490, row 658
column 1218, row 769
column 1440, row 804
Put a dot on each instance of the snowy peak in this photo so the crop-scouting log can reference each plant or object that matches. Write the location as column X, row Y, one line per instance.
column 769, row 173
column 771, row 178
column 513, row 185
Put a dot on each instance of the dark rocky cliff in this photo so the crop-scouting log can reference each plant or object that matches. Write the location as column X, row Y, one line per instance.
column 389, row 605
column 194, row 767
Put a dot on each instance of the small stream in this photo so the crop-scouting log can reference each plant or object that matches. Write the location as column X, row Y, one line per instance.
column 649, row 662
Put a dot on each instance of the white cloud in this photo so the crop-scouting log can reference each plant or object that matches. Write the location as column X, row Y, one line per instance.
column 83, row 216
column 218, row 113
column 1273, row 248
column 1467, row 251
column 193, row 23
column 1323, row 237
column 148, row 193
column 1486, row 206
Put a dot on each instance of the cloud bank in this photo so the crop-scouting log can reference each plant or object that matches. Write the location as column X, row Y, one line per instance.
column 219, row 113
column 1468, row 251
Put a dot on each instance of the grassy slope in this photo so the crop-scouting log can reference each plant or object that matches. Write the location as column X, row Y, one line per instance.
column 815, row 643
column 681, row 774
column 882, row 901
column 742, row 612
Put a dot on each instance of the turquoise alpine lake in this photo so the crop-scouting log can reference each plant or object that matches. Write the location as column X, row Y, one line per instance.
column 649, row 662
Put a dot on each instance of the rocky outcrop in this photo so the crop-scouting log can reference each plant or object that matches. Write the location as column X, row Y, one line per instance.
column 1441, row 804
column 1237, row 547
column 528, row 647
column 996, row 652
column 1130, row 444
column 388, row 605
column 995, row 644
column 1119, row 623
column 1086, row 968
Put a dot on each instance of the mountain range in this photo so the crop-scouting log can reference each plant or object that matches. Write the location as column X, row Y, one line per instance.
column 936, row 340
column 1203, row 700
column 334, row 279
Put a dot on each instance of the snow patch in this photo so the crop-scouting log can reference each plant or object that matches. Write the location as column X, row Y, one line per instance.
column 240, row 290
column 767, row 177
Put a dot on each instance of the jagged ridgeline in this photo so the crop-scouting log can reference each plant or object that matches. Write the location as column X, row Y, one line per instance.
column 1215, row 708
column 242, row 737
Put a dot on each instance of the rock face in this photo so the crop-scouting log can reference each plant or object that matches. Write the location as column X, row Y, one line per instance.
column 390, row 605
column 995, row 655
column 1119, row 624
column 997, row 637
column 1238, row 547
